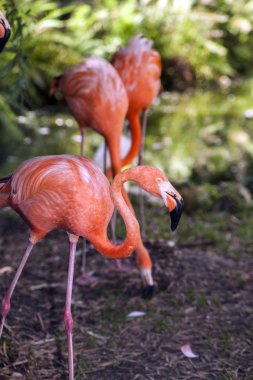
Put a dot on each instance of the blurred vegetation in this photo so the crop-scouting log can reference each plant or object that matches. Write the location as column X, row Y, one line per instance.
column 203, row 134
column 214, row 36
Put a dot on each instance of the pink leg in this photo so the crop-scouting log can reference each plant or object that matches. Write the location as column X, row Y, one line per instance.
column 113, row 226
column 118, row 265
column 105, row 151
column 114, row 215
column 6, row 303
column 67, row 313
column 82, row 142
column 84, row 278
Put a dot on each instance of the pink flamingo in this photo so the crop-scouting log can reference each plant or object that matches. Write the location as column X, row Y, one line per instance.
column 97, row 98
column 73, row 194
column 139, row 67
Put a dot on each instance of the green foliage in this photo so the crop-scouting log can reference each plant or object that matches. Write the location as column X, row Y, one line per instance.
column 181, row 29
column 9, row 132
column 203, row 135
column 48, row 38
column 38, row 49
column 236, row 34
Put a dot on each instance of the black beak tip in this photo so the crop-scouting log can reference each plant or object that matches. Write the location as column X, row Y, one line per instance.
column 148, row 292
column 173, row 226
column 175, row 215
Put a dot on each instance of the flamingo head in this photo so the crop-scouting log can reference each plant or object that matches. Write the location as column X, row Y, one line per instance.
column 154, row 181
column 172, row 200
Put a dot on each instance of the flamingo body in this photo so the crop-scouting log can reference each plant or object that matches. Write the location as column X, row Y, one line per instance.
column 97, row 98
column 60, row 192
column 73, row 194
column 140, row 69
column 92, row 90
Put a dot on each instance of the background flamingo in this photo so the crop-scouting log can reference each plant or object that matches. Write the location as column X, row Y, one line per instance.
column 96, row 97
column 5, row 31
column 73, row 194
column 140, row 68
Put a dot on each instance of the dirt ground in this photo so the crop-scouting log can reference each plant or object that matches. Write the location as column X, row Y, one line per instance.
column 202, row 298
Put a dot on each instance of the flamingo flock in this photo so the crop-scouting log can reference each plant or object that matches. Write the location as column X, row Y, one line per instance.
column 70, row 192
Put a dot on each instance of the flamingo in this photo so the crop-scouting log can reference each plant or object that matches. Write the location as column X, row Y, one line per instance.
column 5, row 31
column 97, row 98
column 72, row 193
column 140, row 68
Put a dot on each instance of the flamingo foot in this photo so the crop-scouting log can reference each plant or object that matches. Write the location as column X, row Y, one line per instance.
column 118, row 265
column 86, row 279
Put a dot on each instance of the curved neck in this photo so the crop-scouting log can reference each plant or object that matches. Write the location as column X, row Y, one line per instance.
column 100, row 239
column 134, row 119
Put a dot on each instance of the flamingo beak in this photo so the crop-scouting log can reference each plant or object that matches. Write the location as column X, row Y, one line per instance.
column 176, row 213
column 173, row 201
column 5, row 37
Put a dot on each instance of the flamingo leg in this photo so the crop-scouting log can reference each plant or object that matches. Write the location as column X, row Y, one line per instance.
column 82, row 142
column 68, row 321
column 114, row 215
column 113, row 226
column 140, row 162
column 6, row 303
column 84, row 246
column 84, row 278
column 105, row 151
column 117, row 264
column 143, row 133
column 114, row 150
column 84, row 256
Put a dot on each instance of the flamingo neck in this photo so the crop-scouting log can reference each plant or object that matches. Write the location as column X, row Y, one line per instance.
column 134, row 119
column 100, row 239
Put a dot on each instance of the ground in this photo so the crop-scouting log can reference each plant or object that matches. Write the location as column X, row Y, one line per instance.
column 203, row 297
